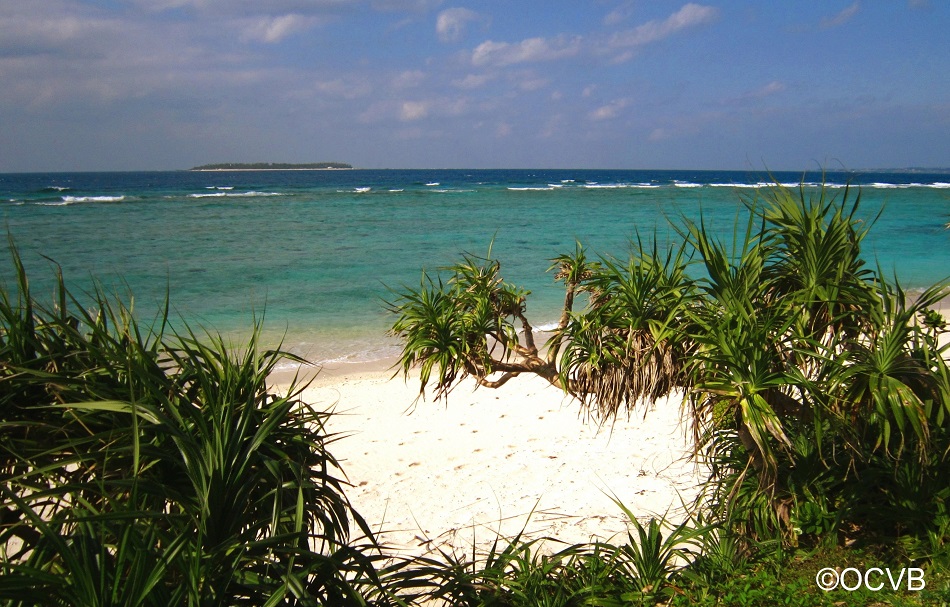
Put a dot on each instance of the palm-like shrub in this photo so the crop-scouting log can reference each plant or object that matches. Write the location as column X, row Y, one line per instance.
column 144, row 467
column 644, row 569
column 811, row 371
column 821, row 374
column 804, row 370
column 628, row 345
column 466, row 327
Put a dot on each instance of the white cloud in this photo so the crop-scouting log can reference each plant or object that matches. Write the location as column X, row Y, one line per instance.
column 408, row 79
column 843, row 17
column 770, row 89
column 619, row 14
column 609, row 111
column 275, row 29
column 691, row 15
column 343, row 89
column 453, row 107
column 500, row 54
column 473, row 81
column 269, row 21
column 413, row 110
column 376, row 112
column 450, row 24
column 623, row 57
column 69, row 55
column 530, row 50
column 532, row 83
column 60, row 30
column 659, row 134
column 251, row 7
column 554, row 126
column 163, row 5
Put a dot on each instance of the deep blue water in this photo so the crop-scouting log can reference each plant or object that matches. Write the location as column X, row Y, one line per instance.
column 317, row 249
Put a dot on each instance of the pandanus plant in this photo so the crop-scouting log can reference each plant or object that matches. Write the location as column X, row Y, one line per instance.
column 625, row 347
column 144, row 466
column 784, row 336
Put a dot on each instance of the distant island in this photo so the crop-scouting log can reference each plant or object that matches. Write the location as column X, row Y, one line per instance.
column 271, row 166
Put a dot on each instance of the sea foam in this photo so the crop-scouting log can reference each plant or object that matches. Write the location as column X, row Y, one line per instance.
column 234, row 194
column 75, row 199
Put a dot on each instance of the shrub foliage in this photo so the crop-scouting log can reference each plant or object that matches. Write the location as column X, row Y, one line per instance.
column 817, row 388
column 146, row 467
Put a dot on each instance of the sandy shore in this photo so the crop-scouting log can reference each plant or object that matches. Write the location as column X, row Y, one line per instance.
column 452, row 473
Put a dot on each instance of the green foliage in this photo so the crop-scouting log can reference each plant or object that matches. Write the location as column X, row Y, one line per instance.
column 757, row 588
column 814, row 376
column 462, row 327
column 653, row 561
column 142, row 467
column 818, row 390
column 628, row 345
column 517, row 572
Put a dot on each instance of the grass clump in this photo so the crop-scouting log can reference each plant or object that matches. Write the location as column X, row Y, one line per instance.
column 644, row 570
column 141, row 466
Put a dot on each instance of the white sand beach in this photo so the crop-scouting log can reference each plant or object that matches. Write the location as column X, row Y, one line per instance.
column 450, row 473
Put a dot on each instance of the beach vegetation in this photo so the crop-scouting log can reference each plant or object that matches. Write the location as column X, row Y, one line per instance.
column 142, row 466
column 466, row 326
column 692, row 563
column 643, row 570
column 817, row 388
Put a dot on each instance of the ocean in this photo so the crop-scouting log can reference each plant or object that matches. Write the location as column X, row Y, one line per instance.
column 316, row 253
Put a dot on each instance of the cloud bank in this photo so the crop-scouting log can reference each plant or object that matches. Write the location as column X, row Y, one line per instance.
column 172, row 83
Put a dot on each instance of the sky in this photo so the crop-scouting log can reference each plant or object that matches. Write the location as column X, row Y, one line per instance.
column 91, row 85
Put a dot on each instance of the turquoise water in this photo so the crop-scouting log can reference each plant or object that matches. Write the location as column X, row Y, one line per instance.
column 316, row 250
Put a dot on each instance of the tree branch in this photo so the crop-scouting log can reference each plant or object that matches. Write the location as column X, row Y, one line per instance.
column 528, row 335
column 554, row 346
column 501, row 381
column 568, row 305
column 529, row 364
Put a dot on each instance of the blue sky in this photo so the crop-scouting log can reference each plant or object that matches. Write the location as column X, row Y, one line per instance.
column 718, row 84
